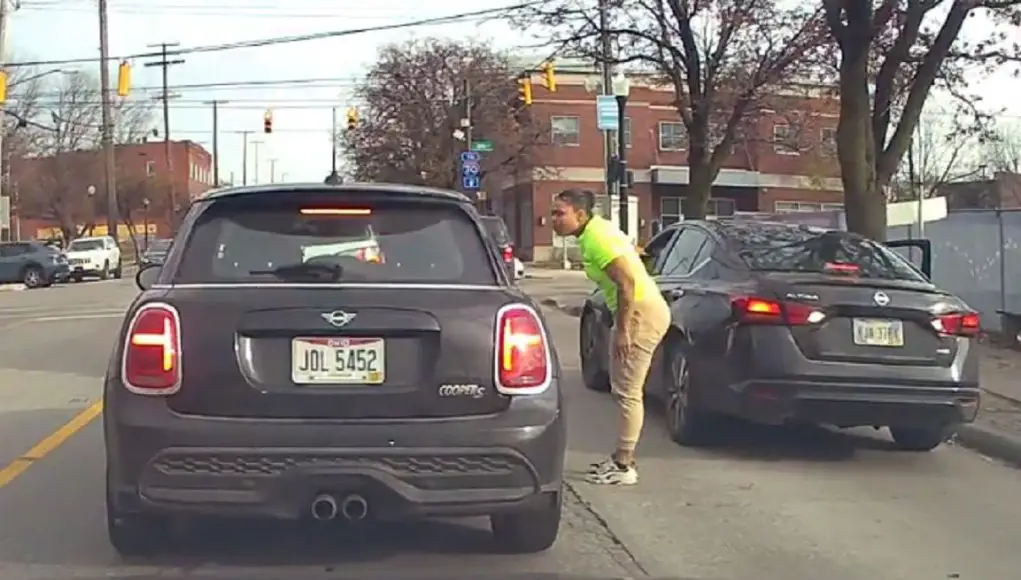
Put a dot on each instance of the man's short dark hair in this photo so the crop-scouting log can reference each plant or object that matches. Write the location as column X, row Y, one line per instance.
column 577, row 198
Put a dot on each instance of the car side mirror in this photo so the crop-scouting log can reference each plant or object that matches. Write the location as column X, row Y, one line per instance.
column 146, row 276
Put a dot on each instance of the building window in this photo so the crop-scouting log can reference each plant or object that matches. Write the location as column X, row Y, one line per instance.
column 828, row 136
column 671, row 208
column 785, row 140
column 627, row 131
column 672, row 136
column 565, row 131
column 805, row 206
column 150, row 168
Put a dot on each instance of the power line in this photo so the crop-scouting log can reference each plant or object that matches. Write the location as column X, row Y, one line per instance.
column 272, row 41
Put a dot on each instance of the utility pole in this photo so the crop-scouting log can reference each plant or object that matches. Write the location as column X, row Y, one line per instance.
column 255, row 180
column 109, row 161
column 610, row 144
column 272, row 170
column 333, row 138
column 3, row 116
column 165, row 63
column 244, row 156
column 216, row 140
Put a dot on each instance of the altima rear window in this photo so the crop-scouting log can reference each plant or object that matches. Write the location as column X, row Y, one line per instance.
column 239, row 240
column 805, row 249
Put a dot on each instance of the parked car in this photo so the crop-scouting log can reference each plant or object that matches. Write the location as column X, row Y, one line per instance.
column 34, row 264
column 98, row 256
column 777, row 322
column 497, row 229
column 253, row 379
column 156, row 252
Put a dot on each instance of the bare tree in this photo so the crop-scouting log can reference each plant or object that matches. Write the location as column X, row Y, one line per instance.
column 891, row 55
column 726, row 61
column 940, row 154
column 1002, row 152
column 53, row 178
column 412, row 105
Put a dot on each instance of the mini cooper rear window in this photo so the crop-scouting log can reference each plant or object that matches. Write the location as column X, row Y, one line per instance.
column 294, row 240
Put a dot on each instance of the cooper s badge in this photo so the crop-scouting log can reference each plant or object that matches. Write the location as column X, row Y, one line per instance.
column 472, row 391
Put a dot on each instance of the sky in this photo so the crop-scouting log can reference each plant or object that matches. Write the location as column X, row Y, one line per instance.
column 300, row 143
column 302, row 112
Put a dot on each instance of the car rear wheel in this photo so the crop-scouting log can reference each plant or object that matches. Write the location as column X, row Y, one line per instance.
column 134, row 534
column 686, row 422
column 120, row 269
column 104, row 274
column 919, row 438
column 596, row 378
column 529, row 531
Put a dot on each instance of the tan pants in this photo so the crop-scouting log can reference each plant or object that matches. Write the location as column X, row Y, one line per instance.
column 649, row 324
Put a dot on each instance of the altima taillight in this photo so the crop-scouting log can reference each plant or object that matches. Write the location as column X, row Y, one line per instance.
column 508, row 254
column 957, row 324
column 522, row 352
column 152, row 351
column 755, row 310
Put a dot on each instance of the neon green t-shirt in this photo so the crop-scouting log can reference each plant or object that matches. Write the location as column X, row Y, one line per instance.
column 601, row 243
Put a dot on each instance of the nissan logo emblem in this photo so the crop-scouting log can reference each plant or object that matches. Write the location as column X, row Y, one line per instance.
column 881, row 298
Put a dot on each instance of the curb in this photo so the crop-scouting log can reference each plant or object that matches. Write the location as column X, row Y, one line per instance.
column 11, row 287
column 991, row 443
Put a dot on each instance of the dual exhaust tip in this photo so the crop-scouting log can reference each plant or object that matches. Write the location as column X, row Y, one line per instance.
column 353, row 508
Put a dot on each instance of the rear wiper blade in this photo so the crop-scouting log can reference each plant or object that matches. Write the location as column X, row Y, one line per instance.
column 305, row 270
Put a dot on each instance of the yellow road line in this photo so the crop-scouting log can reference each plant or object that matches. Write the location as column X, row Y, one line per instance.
column 50, row 443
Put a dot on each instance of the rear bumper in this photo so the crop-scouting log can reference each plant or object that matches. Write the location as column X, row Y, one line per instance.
column 849, row 404
column 162, row 462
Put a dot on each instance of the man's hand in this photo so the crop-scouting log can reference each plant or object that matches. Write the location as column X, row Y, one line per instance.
column 621, row 344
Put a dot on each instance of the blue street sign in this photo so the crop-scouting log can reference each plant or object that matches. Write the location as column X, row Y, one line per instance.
column 606, row 113
column 471, row 169
column 470, row 156
column 470, row 181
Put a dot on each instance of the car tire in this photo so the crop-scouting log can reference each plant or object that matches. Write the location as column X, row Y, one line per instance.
column 33, row 277
column 119, row 271
column 593, row 375
column 530, row 531
column 919, row 438
column 134, row 534
column 104, row 274
column 686, row 422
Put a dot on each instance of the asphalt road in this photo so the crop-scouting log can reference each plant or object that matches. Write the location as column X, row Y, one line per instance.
column 765, row 504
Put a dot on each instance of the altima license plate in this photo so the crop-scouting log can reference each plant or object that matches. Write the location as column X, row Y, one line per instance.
column 878, row 332
column 338, row 361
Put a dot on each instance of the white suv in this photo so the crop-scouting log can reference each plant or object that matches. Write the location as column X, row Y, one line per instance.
column 97, row 256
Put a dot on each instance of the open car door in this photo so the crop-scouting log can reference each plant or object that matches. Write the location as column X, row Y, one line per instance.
column 922, row 244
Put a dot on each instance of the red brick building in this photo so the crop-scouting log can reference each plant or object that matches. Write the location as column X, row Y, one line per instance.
column 777, row 167
column 142, row 172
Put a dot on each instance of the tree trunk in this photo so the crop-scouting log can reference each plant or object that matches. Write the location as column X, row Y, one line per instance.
column 864, row 201
column 700, row 187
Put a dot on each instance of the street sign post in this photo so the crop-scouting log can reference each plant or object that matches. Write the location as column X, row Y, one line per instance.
column 606, row 113
column 471, row 170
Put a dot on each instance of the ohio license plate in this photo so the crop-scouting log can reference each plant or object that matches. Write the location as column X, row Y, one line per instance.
column 878, row 332
column 338, row 361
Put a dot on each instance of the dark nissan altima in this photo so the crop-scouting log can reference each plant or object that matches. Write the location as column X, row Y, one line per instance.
column 266, row 372
column 776, row 322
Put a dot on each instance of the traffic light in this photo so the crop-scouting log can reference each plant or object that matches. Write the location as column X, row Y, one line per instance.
column 123, row 79
column 525, row 89
column 3, row 86
column 549, row 77
column 267, row 122
column 352, row 119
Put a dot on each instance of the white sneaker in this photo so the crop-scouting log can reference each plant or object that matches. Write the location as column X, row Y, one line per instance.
column 610, row 473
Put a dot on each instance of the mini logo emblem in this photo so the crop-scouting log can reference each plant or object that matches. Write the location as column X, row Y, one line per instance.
column 462, row 390
column 338, row 318
column 881, row 298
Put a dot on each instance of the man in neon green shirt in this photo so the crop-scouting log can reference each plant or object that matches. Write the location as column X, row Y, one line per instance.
column 641, row 320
